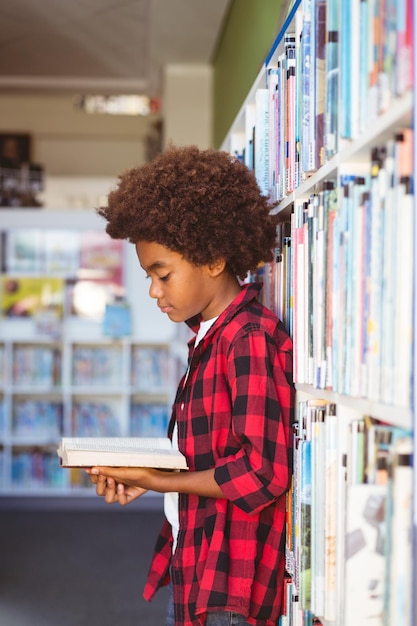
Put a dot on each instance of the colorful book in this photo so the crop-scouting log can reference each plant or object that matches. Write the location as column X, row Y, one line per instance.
column 305, row 525
column 320, row 80
column 364, row 554
column 332, row 79
column 261, row 162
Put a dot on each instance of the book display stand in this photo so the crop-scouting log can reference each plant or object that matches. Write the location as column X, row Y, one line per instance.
column 71, row 364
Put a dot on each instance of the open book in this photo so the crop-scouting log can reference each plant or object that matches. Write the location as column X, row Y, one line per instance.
column 120, row 452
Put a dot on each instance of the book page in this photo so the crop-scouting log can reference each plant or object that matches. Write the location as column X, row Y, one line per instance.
column 117, row 444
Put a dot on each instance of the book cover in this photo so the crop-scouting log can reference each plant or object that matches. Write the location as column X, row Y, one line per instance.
column 24, row 251
column 154, row 452
column 24, row 296
column 117, row 320
column 364, row 554
column 100, row 276
column 61, row 252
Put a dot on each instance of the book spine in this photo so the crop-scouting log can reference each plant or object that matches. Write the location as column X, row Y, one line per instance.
column 319, row 86
column 332, row 79
column 261, row 161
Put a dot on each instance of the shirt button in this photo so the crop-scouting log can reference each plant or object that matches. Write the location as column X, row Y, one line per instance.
column 182, row 406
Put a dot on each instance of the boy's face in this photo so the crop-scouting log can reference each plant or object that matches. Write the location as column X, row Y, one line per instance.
column 181, row 288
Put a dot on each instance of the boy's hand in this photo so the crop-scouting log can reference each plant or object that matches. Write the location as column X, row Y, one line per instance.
column 112, row 490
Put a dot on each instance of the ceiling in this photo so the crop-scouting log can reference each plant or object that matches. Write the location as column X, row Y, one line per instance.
column 103, row 46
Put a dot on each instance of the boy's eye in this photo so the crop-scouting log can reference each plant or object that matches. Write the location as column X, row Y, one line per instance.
column 163, row 278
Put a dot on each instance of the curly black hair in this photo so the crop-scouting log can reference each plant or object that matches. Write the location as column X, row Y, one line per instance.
column 203, row 204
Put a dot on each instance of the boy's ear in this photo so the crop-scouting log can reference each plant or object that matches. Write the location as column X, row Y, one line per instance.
column 217, row 267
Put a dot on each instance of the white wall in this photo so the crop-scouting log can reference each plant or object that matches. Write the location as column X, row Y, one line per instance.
column 69, row 142
column 187, row 105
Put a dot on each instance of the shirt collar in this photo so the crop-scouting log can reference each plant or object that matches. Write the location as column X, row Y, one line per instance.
column 249, row 292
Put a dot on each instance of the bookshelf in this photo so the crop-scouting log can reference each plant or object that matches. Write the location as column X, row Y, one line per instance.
column 61, row 373
column 327, row 128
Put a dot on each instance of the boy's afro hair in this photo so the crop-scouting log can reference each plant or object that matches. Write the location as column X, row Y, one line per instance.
column 203, row 204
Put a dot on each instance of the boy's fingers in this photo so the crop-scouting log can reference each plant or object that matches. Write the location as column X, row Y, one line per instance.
column 110, row 495
column 101, row 485
column 121, row 495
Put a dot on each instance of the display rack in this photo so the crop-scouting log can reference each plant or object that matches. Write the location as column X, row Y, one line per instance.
column 61, row 374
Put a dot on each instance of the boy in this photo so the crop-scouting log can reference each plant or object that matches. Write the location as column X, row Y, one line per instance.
column 199, row 224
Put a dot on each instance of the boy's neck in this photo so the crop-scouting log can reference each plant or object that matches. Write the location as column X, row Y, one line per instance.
column 227, row 288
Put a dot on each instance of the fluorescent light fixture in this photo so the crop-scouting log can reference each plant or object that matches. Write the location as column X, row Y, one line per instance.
column 117, row 105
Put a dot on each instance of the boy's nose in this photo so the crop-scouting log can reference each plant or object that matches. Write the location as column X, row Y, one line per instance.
column 154, row 290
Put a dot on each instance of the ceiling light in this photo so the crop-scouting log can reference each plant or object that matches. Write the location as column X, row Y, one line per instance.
column 117, row 105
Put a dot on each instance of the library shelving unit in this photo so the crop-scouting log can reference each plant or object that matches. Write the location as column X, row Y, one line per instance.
column 328, row 128
column 62, row 371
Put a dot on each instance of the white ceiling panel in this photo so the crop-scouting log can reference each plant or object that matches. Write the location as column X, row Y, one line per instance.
column 109, row 45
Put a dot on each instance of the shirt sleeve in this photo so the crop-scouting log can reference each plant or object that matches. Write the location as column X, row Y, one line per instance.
column 259, row 375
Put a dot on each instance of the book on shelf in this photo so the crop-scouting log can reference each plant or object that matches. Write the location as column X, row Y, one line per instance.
column 307, row 109
column 399, row 577
column 36, row 365
column 61, row 248
column 23, row 251
column 94, row 418
column 364, row 553
column 150, row 367
column 304, row 553
column 332, row 79
column 320, row 80
column 154, row 452
column 290, row 126
column 23, row 296
column 261, row 143
column 37, row 418
column 36, row 468
column 117, row 321
column 330, row 524
column 96, row 366
column 148, row 419
column 272, row 86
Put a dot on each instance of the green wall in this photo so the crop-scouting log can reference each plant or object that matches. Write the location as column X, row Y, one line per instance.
column 249, row 31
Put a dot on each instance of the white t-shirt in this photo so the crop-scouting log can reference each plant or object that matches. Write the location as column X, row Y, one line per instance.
column 171, row 498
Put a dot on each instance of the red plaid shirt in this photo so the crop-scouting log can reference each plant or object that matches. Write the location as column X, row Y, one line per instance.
column 234, row 413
